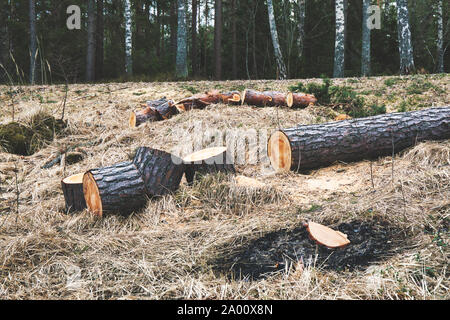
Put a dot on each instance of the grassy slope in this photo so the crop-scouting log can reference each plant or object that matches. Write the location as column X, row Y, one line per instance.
column 169, row 250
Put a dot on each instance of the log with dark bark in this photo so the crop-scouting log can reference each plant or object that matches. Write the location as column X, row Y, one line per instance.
column 298, row 100
column 73, row 193
column 264, row 99
column 161, row 171
column 313, row 146
column 202, row 100
column 211, row 160
column 146, row 114
column 167, row 109
column 115, row 189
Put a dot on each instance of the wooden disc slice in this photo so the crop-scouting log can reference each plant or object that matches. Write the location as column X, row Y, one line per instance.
column 327, row 236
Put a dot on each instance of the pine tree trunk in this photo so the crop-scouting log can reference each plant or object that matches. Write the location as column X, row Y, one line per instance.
column 115, row 189
column 128, row 40
column 365, row 52
column 173, row 28
column 312, row 146
column 440, row 38
column 4, row 35
column 404, row 38
column 90, row 59
column 233, row 40
column 301, row 5
column 161, row 171
column 33, row 42
column 276, row 45
column 218, row 39
column 339, row 47
column 181, row 61
column 100, row 38
column 194, row 38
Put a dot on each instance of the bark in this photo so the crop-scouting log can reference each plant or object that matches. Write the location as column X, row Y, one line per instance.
column 194, row 38
column 440, row 38
column 202, row 100
column 299, row 100
column 73, row 193
column 128, row 40
column 181, row 60
column 147, row 114
column 90, row 59
column 212, row 160
column 276, row 46
column 264, row 99
column 100, row 38
column 365, row 53
column 218, row 39
column 301, row 5
column 312, row 146
column 115, row 189
column 161, row 171
column 233, row 40
column 404, row 38
column 173, row 28
column 339, row 47
column 167, row 109
column 33, row 41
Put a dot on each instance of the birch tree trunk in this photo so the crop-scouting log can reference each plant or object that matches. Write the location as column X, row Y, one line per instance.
column 218, row 38
column 276, row 45
column 301, row 26
column 90, row 59
column 440, row 38
column 181, row 60
column 339, row 47
column 365, row 52
column 33, row 42
column 128, row 40
column 404, row 38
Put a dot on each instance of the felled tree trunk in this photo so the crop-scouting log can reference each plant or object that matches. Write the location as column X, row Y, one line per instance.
column 73, row 193
column 298, row 100
column 161, row 171
column 202, row 100
column 167, row 110
column 263, row 99
column 115, row 189
column 211, row 160
column 148, row 113
column 312, row 146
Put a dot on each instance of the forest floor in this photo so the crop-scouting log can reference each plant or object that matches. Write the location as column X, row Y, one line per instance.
column 218, row 240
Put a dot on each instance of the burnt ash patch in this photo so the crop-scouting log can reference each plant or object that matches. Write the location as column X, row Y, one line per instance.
column 276, row 251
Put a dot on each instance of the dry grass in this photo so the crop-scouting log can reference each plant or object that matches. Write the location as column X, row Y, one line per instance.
column 166, row 251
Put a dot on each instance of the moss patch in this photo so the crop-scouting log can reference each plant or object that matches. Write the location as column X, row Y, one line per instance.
column 26, row 139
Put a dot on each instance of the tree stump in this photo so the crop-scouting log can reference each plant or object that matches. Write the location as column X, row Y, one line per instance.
column 114, row 189
column 161, row 171
column 313, row 146
column 211, row 160
column 73, row 193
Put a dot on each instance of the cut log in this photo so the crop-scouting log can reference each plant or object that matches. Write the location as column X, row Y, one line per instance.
column 211, row 160
column 298, row 100
column 146, row 114
column 266, row 98
column 167, row 109
column 313, row 146
column 73, row 193
column 115, row 189
column 202, row 100
column 161, row 171
column 326, row 236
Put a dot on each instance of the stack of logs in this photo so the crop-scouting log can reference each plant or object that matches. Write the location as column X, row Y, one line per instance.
column 163, row 109
column 126, row 186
